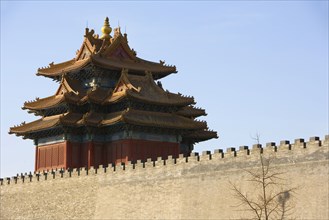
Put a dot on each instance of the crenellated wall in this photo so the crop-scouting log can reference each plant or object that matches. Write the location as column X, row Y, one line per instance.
column 195, row 187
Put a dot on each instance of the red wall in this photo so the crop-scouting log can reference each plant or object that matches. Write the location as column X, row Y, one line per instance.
column 73, row 154
column 51, row 156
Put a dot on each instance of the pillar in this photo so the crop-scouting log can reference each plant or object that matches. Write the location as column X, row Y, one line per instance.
column 36, row 164
column 90, row 154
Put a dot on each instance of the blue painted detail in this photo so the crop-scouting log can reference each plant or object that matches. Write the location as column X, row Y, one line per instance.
column 137, row 135
column 123, row 135
column 50, row 140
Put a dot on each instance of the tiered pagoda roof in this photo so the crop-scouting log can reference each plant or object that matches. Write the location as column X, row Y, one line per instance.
column 68, row 87
column 134, row 100
column 113, row 54
column 129, row 116
column 133, row 87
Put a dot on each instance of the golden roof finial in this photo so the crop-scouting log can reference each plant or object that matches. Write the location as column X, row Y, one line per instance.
column 106, row 29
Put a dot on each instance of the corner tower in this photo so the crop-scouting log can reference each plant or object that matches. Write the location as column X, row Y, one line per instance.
column 109, row 109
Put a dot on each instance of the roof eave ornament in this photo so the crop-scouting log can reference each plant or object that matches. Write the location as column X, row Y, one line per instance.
column 106, row 30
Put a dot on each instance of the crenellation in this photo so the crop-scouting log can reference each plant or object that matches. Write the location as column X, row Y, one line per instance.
column 30, row 176
column 149, row 163
column 57, row 172
column 130, row 167
column 159, row 162
column 230, row 152
column 256, row 150
column 114, row 167
column 300, row 143
column 120, row 167
column 170, row 161
column 105, row 168
column 270, row 145
column 60, row 173
column 206, row 155
column 314, row 139
column 37, row 175
column 298, row 148
column 284, row 145
column 102, row 168
column 76, row 172
column 15, row 178
column 108, row 168
column 284, row 142
column 64, row 173
column 93, row 170
column 256, row 147
column 86, row 170
column 22, row 177
column 314, row 142
column 243, row 148
column 218, row 151
column 218, row 154
column 243, row 151
column 139, row 164
column 194, row 157
column 45, row 175
column 69, row 170
column 53, row 173
column 270, row 148
column 326, row 139
column 181, row 159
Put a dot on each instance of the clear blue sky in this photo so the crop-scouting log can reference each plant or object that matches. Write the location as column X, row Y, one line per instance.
column 256, row 67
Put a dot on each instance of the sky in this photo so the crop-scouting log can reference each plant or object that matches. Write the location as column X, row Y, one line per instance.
column 257, row 67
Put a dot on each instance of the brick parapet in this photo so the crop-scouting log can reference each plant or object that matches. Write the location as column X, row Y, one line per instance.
column 284, row 150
